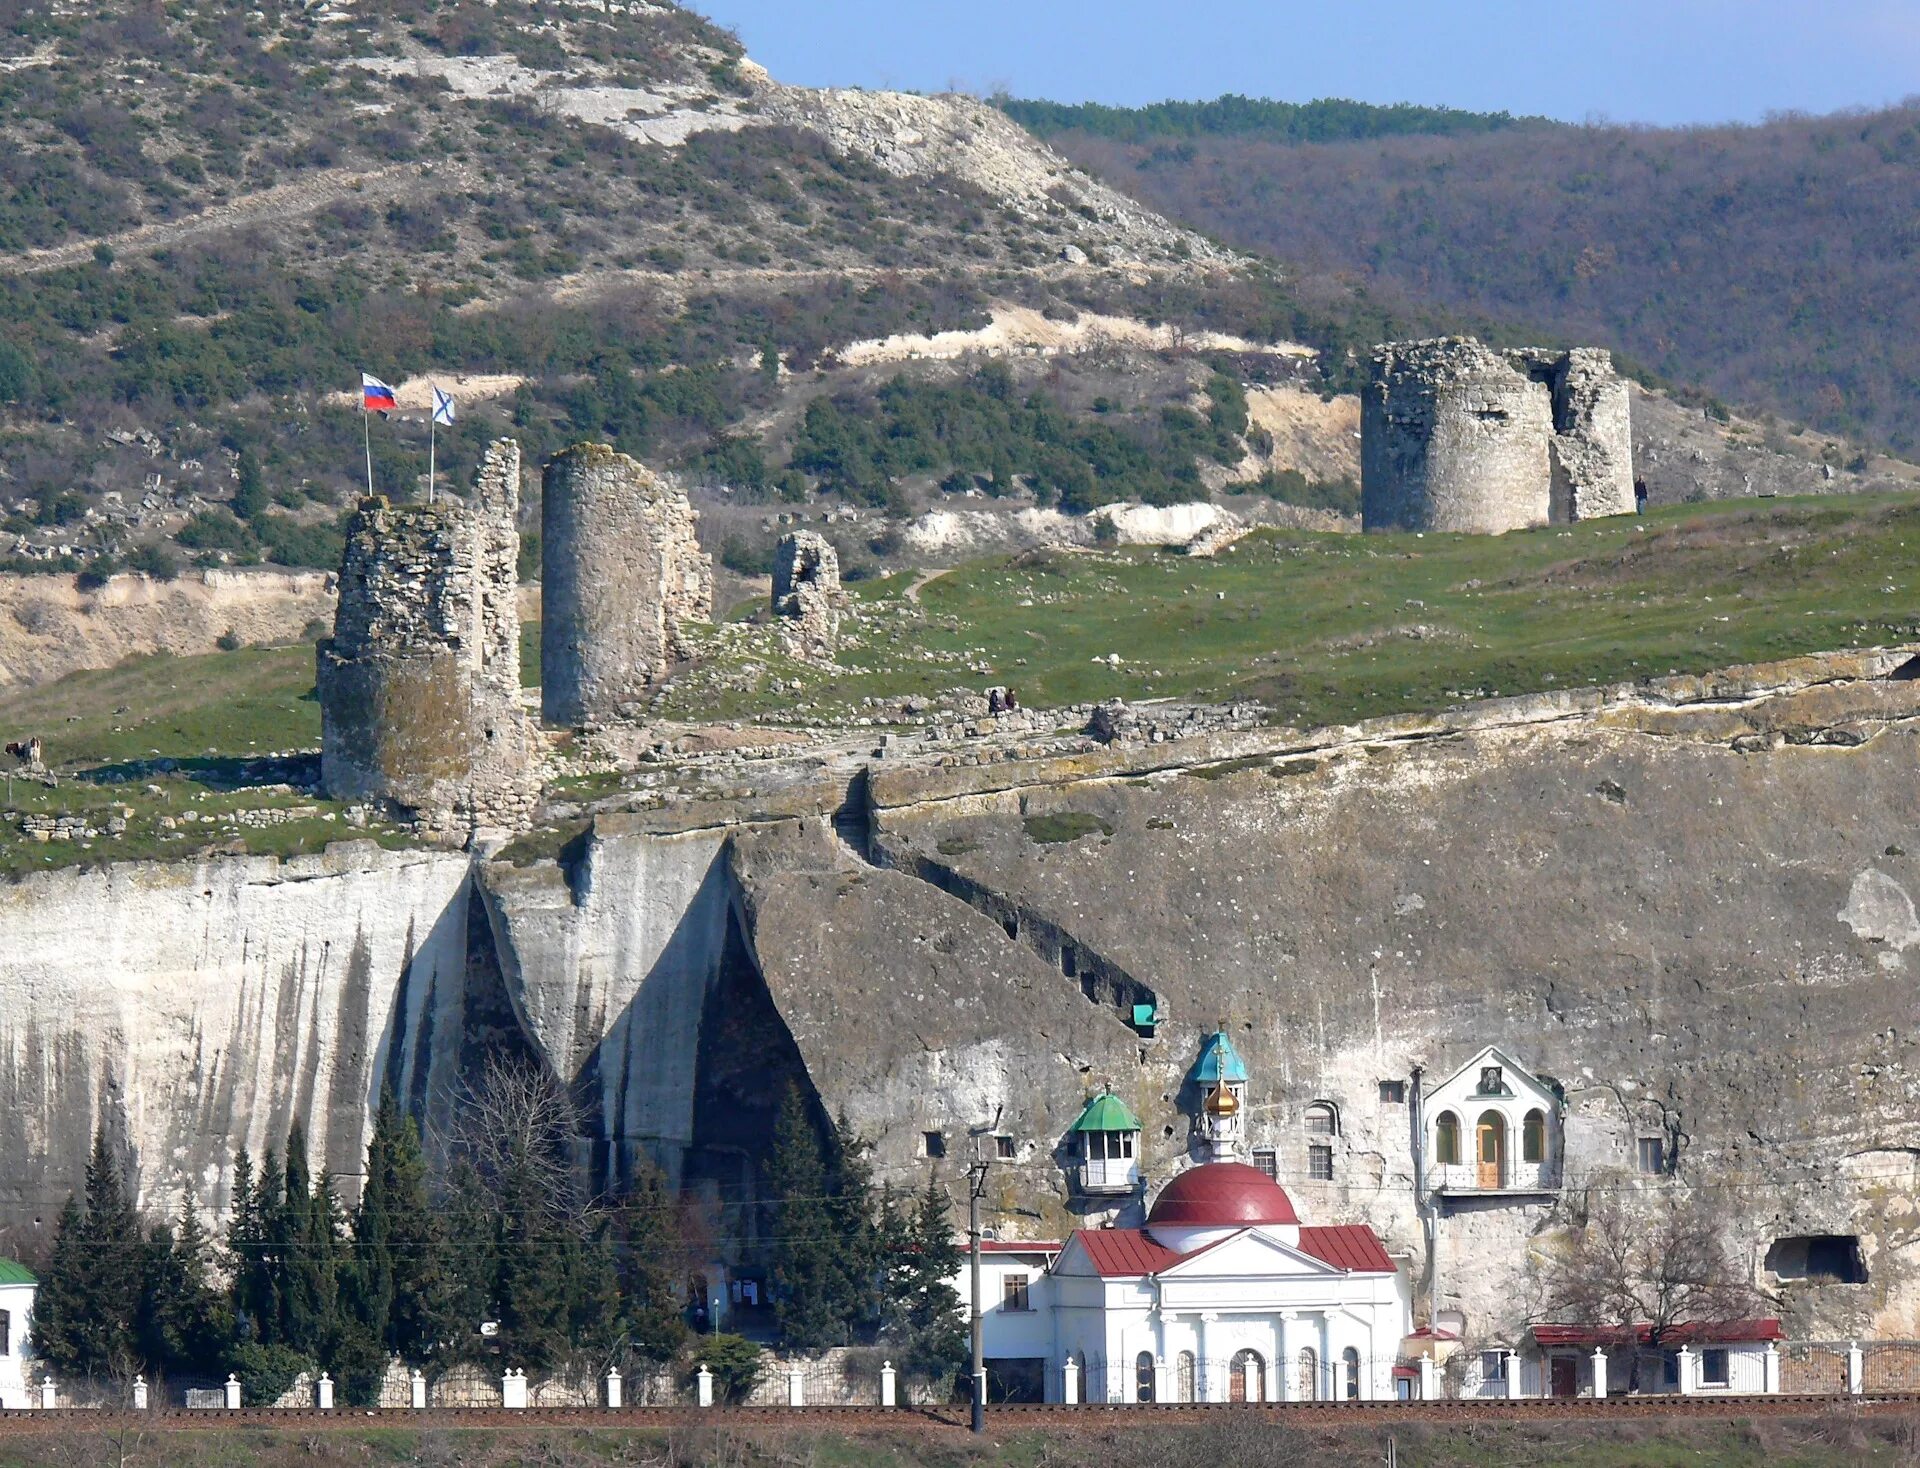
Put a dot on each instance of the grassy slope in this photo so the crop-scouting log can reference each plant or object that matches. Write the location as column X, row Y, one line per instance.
column 1328, row 627
column 1323, row 628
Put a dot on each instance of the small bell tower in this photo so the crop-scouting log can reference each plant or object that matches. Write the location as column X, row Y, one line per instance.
column 1220, row 1077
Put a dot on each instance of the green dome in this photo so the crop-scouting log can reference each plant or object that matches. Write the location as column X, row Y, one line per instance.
column 1107, row 1113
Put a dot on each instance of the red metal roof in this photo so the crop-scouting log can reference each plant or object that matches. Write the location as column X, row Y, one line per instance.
column 1221, row 1194
column 1726, row 1332
column 1350, row 1246
column 1124, row 1251
column 1019, row 1246
column 1130, row 1252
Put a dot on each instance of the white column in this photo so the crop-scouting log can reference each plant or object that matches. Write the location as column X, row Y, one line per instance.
column 1856, row 1369
column 418, row 1384
column 889, row 1385
column 1770, row 1370
column 1688, row 1380
column 1070, row 1382
column 613, row 1388
column 1429, row 1380
column 703, row 1386
column 139, row 1394
column 323, row 1393
column 49, row 1398
column 796, row 1387
column 1289, row 1387
column 1205, row 1387
column 1513, row 1375
column 233, row 1393
column 1599, row 1373
column 513, row 1390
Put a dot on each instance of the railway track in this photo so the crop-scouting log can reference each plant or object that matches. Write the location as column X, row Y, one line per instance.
column 1011, row 1417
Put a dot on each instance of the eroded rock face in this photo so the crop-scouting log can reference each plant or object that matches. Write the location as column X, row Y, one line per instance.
column 806, row 595
column 420, row 683
column 622, row 574
column 196, row 1008
column 1455, row 436
column 1691, row 908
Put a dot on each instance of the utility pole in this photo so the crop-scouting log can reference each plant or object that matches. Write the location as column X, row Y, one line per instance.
column 976, row 1187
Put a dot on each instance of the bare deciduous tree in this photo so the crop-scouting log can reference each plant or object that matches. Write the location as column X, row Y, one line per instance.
column 1650, row 1265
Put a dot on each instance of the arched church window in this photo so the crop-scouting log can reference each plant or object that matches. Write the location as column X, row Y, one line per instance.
column 1446, row 1140
column 1143, row 1377
column 1309, row 1375
column 1350, row 1364
column 1185, row 1384
column 1533, row 1137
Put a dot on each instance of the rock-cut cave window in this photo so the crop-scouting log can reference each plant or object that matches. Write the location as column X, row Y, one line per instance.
column 1653, row 1155
column 933, row 1144
column 1819, row 1258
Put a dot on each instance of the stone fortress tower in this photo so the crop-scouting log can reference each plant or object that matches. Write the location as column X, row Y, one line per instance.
column 622, row 573
column 807, row 596
column 1456, row 436
column 419, row 685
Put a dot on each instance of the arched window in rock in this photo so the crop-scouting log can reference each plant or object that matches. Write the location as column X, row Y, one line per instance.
column 1533, row 1137
column 1323, row 1120
column 1446, row 1140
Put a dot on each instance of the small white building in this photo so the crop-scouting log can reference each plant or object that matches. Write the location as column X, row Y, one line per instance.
column 17, row 1285
column 1016, row 1311
column 1492, row 1129
column 1224, row 1296
column 1726, row 1358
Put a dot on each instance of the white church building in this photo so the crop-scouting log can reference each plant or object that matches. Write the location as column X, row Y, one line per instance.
column 16, row 1309
column 1224, row 1296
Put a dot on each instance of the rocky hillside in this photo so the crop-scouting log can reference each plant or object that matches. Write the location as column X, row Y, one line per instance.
column 1770, row 264
column 854, row 307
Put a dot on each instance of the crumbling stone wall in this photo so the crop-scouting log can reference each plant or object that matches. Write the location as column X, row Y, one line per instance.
column 806, row 594
column 1455, row 436
column 622, row 575
column 420, row 683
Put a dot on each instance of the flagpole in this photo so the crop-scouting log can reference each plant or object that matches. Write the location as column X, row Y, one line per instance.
column 366, row 434
column 433, row 422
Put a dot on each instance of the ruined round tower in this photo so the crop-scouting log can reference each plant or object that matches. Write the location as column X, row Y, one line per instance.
column 420, row 683
column 1455, row 436
column 622, row 573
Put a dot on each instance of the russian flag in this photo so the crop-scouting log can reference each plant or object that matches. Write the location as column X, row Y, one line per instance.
column 375, row 395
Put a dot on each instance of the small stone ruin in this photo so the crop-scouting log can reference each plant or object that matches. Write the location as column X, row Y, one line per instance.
column 1455, row 436
column 807, row 598
column 419, row 685
column 622, row 576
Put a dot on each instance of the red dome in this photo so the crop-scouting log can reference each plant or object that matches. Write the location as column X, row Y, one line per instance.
column 1221, row 1194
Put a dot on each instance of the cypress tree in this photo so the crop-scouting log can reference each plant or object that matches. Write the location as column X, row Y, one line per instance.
column 306, row 1237
column 472, row 1233
column 93, row 1285
column 807, row 1292
column 182, row 1323
column 60, row 1303
column 654, row 1318
column 857, row 1276
column 403, row 1291
column 531, row 1278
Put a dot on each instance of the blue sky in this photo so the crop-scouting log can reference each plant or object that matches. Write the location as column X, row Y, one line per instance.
column 1661, row 61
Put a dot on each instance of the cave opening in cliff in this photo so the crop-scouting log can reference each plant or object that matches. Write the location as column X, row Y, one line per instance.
column 1818, row 1259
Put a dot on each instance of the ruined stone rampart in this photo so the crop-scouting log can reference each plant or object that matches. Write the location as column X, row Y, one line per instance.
column 806, row 595
column 622, row 574
column 1455, row 436
column 420, row 683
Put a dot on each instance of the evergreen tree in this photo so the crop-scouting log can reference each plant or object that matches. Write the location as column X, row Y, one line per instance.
column 403, row 1291
column 531, row 1277
column 252, row 1257
column 93, row 1284
column 182, row 1323
column 596, row 1321
column 60, row 1303
column 857, row 1282
column 472, row 1226
column 924, row 1324
column 651, row 1282
column 808, row 1282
